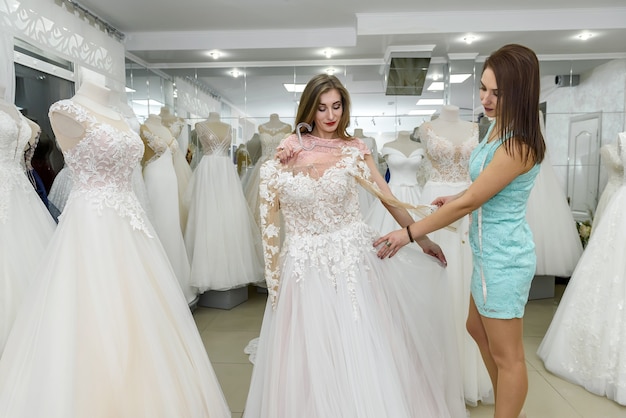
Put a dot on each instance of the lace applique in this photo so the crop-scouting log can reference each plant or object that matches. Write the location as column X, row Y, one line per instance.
column 101, row 165
column 155, row 142
column 450, row 162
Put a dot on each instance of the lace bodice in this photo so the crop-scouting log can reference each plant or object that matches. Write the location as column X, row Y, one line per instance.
column 403, row 168
column 101, row 164
column 156, row 143
column 13, row 139
column 212, row 144
column 269, row 143
column 450, row 162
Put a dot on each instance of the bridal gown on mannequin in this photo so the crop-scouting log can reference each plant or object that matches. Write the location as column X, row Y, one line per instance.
column 449, row 158
column 586, row 341
column 614, row 165
column 222, row 239
column 26, row 226
column 107, row 331
column 557, row 243
column 403, row 184
column 162, row 188
column 345, row 334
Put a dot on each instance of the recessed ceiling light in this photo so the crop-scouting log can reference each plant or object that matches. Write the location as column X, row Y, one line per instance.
column 420, row 112
column 215, row 54
column 458, row 78
column 429, row 102
column 469, row 39
column 328, row 53
column 294, row 88
column 584, row 36
column 236, row 73
column 330, row 70
column 436, row 86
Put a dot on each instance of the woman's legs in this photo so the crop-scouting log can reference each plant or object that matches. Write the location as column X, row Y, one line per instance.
column 500, row 343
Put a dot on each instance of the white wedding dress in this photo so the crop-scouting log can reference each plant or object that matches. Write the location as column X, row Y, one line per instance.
column 26, row 226
column 550, row 218
column 403, row 184
column 161, row 187
column 107, row 331
column 448, row 176
column 345, row 334
column 586, row 341
column 223, row 241
column 614, row 165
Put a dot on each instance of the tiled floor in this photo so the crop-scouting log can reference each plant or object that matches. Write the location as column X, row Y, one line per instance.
column 226, row 332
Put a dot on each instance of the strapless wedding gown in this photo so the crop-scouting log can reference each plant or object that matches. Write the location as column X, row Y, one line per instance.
column 107, row 331
column 403, row 184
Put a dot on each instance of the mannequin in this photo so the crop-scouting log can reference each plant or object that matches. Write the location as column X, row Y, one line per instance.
column 93, row 97
column 415, row 136
column 8, row 108
column 254, row 148
column 274, row 126
column 216, row 126
column 175, row 124
column 449, row 125
column 243, row 159
column 153, row 124
column 404, row 143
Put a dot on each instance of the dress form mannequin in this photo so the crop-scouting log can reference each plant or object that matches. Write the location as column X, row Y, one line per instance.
column 449, row 125
column 153, row 123
column 7, row 107
column 275, row 125
column 174, row 123
column 214, row 123
column 404, row 143
column 93, row 97
column 254, row 148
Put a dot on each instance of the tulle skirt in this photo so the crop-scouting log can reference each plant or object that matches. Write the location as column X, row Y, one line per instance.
column 557, row 243
column 456, row 247
column 586, row 341
column 107, row 331
column 222, row 239
column 26, row 228
column 376, row 344
column 379, row 218
column 162, row 189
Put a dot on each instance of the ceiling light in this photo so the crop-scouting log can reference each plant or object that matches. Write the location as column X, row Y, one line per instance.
column 328, row 53
column 330, row 70
column 420, row 112
column 215, row 54
column 235, row 73
column 294, row 88
column 436, row 86
column 435, row 77
column 584, row 36
column 459, row 78
column 469, row 39
column 429, row 102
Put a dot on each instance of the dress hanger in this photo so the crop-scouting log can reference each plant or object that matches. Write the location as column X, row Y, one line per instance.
column 309, row 129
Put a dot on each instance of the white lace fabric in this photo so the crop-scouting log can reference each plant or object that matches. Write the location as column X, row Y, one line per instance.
column 13, row 141
column 318, row 198
column 155, row 142
column 450, row 162
column 101, row 165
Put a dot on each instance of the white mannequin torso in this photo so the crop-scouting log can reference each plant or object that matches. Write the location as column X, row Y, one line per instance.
column 404, row 143
column 448, row 125
column 274, row 126
column 214, row 124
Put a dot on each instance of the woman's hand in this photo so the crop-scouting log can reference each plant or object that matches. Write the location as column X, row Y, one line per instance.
column 442, row 200
column 286, row 152
column 392, row 242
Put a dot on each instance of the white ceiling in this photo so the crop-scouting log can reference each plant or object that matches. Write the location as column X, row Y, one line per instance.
column 277, row 41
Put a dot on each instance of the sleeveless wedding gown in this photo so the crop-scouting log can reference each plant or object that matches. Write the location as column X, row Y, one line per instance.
column 26, row 226
column 345, row 334
column 107, row 331
column 222, row 239
column 586, row 341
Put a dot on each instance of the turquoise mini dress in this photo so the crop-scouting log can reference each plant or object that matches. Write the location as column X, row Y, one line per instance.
column 502, row 242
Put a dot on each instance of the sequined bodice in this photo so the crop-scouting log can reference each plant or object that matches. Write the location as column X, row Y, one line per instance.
column 450, row 162
column 101, row 164
column 269, row 143
column 212, row 144
column 403, row 168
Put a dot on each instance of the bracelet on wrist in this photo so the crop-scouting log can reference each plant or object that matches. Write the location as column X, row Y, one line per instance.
column 408, row 231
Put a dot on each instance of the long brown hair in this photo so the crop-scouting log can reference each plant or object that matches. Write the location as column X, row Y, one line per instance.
column 310, row 99
column 516, row 69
